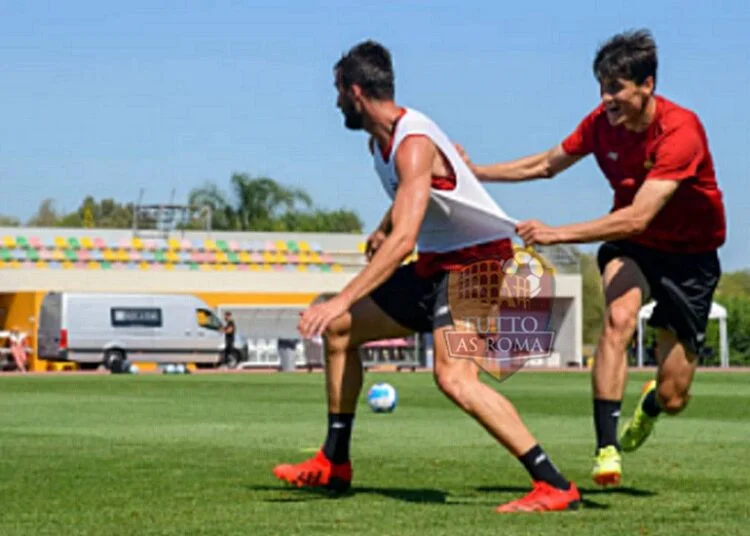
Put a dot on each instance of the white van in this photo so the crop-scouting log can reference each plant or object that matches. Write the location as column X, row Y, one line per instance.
column 94, row 329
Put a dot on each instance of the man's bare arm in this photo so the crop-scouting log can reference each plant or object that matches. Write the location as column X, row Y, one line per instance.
column 544, row 165
column 627, row 221
column 414, row 161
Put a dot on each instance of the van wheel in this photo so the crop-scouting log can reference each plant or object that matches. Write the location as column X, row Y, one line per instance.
column 114, row 360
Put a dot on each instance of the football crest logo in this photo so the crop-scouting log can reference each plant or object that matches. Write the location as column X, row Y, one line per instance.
column 502, row 312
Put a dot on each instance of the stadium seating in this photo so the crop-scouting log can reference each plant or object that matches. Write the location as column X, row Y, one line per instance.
column 135, row 253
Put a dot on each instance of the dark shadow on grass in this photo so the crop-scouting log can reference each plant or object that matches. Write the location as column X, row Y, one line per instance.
column 410, row 495
column 630, row 492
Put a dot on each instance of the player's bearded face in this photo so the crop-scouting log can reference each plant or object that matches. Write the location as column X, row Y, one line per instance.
column 353, row 119
column 624, row 101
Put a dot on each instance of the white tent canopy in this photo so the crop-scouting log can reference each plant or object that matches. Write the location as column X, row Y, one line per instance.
column 717, row 312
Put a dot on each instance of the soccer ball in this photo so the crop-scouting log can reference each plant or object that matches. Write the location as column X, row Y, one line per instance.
column 382, row 398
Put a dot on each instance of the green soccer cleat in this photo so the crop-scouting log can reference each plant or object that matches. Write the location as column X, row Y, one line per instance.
column 639, row 427
column 607, row 467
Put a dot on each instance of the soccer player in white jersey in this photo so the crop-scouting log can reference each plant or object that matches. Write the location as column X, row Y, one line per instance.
column 439, row 206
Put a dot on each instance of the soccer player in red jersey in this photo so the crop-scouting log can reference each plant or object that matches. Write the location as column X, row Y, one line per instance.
column 660, row 238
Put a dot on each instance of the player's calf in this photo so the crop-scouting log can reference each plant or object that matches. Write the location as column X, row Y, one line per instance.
column 670, row 399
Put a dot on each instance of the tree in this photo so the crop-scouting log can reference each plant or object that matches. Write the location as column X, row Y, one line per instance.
column 9, row 221
column 88, row 219
column 45, row 216
column 734, row 284
column 738, row 329
column 262, row 204
column 593, row 299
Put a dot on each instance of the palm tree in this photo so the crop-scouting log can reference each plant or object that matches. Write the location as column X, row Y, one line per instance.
column 255, row 204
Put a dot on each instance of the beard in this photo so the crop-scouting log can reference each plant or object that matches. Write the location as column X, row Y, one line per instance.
column 353, row 120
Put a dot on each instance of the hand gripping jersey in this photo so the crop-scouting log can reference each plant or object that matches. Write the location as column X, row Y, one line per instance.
column 456, row 218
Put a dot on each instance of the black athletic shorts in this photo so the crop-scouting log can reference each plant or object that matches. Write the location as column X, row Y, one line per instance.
column 417, row 303
column 682, row 284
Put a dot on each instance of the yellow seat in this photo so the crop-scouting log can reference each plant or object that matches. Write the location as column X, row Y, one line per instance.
column 93, row 265
column 245, row 257
column 206, row 267
column 15, row 264
column 281, row 245
column 121, row 255
column 9, row 242
column 230, row 267
column 41, row 264
column 304, row 246
column 267, row 267
column 301, row 268
column 87, row 243
column 361, row 247
column 58, row 255
column 209, row 245
column 67, row 265
column 337, row 268
column 109, row 255
column 172, row 257
column 169, row 266
column 315, row 258
column 221, row 257
column 268, row 257
column 60, row 242
column 174, row 244
column 254, row 268
column 144, row 265
column 136, row 243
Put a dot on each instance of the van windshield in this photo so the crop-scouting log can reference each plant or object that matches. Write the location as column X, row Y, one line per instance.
column 206, row 319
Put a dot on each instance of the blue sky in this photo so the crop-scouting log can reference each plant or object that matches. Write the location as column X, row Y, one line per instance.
column 107, row 99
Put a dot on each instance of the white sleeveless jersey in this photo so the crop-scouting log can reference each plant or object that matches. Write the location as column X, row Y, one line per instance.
column 457, row 218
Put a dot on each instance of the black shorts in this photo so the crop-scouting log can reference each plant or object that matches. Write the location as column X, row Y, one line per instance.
column 416, row 303
column 682, row 284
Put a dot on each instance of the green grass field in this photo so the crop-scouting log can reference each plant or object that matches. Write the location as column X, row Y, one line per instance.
column 183, row 455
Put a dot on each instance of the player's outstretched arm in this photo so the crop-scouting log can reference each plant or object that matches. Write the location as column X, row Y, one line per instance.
column 544, row 165
column 619, row 224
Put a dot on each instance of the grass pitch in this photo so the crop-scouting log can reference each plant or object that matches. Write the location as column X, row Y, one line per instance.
column 184, row 455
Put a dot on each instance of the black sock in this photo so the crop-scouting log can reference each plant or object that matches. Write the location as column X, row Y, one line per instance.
column 336, row 447
column 541, row 468
column 651, row 405
column 606, row 413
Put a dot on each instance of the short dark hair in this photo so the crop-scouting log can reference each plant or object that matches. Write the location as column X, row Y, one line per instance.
column 368, row 65
column 629, row 55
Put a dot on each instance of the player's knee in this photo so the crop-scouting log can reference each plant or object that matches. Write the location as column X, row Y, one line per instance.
column 672, row 400
column 455, row 385
column 620, row 325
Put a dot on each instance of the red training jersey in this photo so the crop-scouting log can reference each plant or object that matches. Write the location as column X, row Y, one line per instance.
column 673, row 147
